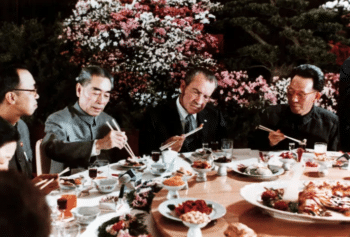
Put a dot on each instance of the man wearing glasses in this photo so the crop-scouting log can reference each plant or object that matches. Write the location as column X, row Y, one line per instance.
column 300, row 119
column 166, row 123
column 18, row 96
column 79, row 132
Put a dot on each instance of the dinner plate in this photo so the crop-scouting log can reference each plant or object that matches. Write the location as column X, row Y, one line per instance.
column 252, row 194
column 218, row 210
column 275, row 169
column 123, row 164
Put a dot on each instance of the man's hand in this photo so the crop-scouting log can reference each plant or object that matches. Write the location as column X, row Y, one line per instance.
column 276, row 137
column 111, row 140
column 50, row 187
column 178, row 144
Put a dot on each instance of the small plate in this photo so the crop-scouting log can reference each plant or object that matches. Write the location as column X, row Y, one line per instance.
column 218, row 210
column 275, row 169
column 123, row 164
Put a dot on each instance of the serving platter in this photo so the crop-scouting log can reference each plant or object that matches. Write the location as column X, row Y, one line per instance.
column 252, row 194
column 123, row 164
column 218, row 210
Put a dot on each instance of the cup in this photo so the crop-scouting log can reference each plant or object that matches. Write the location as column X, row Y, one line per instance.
column 320, row 148
column 71, row 203
column 291, row 146
column 205, row 146
column 101, row 163
column 227, row 147
column 71, row 230
column 214, row 145
column 155, row 156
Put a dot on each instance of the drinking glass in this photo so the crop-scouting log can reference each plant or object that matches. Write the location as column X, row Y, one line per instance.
column 51, row 200
column 320, row 148
column 71, row 230
column 71, row 198
column 62, row 206
column 291, row 146
column 205, row 146
column 92, row 172
column 214, row 145
column 102, row 163
column 227, row 147
column 155, row 156
column 264, row 157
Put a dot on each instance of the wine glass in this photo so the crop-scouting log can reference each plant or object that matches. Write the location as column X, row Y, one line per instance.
column 291, row 146
column 102, row 163
column 155, row 156
column 62, row 206
column 92, row 173
column 51, row 199
column 264, row 157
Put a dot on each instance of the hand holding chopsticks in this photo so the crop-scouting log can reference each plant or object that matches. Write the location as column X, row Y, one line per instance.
column 270, row 130
column 162, row 148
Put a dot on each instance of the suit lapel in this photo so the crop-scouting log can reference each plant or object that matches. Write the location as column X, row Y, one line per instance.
column 174, row 119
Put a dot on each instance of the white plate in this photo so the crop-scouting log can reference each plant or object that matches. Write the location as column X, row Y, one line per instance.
column 252, row 194
column 278, row 171
column 123, row 164
column 218, row 210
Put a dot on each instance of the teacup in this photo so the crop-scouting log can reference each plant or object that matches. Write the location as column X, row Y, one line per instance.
column 158, row 168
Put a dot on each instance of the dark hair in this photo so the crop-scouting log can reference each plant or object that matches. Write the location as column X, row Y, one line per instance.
column 8, row 133
column 23, row 208
column 86, row 74
column 9, row 79
column 310, row 71
column 209, row 75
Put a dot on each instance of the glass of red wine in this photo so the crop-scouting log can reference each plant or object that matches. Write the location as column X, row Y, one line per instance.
column 62, row 206
column 155, row 156
column 92, row 173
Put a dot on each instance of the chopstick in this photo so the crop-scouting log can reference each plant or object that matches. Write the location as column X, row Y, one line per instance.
column 47, row 183
column 186, row 135
column 45, row 180
column 64, row 171
column 270, row 130
column 118, row 128
column 41, row 182
column 126, row 147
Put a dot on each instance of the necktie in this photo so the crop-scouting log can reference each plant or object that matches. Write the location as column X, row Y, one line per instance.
column 189, row 126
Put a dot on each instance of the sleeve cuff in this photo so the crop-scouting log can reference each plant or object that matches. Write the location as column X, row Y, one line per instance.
column 94, row 151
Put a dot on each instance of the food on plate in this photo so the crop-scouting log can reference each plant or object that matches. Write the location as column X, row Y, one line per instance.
column 200, row 164
column 192, row 205
column 255, row 169
column 70, row 182
column 195, row 217
column 109, row 199
column 108, row 203
column 223, row 159
column 314, row 199
column 311, row 164
column 323, row 157
column 239, row 230
column 288, row 155
column 133, row 161
column 202, row 154
column 183, row 172
column 126, row 225
column 174, row 181
column 101, row 177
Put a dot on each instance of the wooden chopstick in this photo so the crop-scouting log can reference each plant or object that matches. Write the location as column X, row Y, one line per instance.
column 118, row 128
column 126, row 148
column 41, row 182
column 186, row 135
column 47, row 183
column 270, row 130
column 64, row 171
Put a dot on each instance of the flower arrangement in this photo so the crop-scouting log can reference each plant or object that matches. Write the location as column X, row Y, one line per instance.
column 124, row 226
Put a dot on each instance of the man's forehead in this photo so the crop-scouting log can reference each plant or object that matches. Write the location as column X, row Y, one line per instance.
column 100, row 83
column 301, row 83
column 25, row 77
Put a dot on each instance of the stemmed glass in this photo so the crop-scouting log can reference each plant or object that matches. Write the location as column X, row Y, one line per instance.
column 92, row 173
column 62, row 206
column 291, row 146
column 264, row 157
column 102, row 163
column 155, row 156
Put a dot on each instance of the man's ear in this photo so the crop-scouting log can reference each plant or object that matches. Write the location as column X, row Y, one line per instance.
column 78, row 89
column 318, row 95
column 10, row 97
column 182, row 86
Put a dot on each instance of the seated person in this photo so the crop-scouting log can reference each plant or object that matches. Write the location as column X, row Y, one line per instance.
column 23, row 208
column 166, row 123
column 79, row 132
column 300, row 119
column 9, row 137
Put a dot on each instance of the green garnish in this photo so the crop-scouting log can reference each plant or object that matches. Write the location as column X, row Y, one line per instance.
column 171, row 207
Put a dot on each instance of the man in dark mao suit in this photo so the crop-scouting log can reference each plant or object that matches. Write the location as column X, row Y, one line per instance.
column 79, row 132
column 166, row 123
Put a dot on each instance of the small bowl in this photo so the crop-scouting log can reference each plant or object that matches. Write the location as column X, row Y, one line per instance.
column 85, row 215
column 222, row 171
column 158, row 169
column 194, row 229
column 106, row 185
column 287, row 163
column 173, row 191
column 202, row 173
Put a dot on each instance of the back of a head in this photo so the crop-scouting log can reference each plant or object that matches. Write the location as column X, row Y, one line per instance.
column 86, row 74
column 9, row 79
column 209, row 75
column 310, row 71
column 8, row 133
column 23, row 208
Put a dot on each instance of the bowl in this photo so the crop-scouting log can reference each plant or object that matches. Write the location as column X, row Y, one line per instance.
column 173, row 191
column 85, row 215
column 202, row 173
column 106, row 185
column 194, row 229
column 222, row 171
column 158, row 169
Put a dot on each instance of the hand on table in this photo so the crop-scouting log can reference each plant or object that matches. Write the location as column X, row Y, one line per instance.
column 276, row 137
column 50, row 187
column 111, row 140
column 178, row 144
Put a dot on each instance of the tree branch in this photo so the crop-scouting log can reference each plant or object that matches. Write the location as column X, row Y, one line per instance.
column 257, row 37
column 293, row 38
column 257, row 66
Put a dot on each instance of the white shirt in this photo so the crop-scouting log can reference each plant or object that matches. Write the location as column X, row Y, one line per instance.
column 183, row 114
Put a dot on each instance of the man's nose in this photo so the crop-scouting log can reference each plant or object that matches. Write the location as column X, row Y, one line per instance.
column 295, row 98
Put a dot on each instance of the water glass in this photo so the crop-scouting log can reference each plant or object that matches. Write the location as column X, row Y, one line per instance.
column 205, row 146
column 320, row 148
column 71, row 230
column 227, row 147
column 102, row 163
column 291, row 146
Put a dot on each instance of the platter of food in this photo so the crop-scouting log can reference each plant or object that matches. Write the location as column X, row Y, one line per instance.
column 251, row 168
column 131, row 163
column 174, row 208
column 318, row 202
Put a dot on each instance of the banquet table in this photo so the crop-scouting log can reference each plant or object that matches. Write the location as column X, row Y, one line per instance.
column 224, row 190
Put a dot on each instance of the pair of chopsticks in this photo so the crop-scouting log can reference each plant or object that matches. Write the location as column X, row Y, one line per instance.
column 127, row 147
column 162, row 148
column 270, row 130
column 47, row 182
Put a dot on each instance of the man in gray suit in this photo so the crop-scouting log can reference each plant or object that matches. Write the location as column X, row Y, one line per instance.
column 18, row 97
column 79, row 132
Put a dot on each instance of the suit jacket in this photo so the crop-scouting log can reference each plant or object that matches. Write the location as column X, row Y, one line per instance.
column 19, row 161
column 70, row 134
column 163, row 122
column 343, row 106
column 319, row 125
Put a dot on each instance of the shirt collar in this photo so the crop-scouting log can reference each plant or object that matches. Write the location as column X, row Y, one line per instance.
column 182, row 111
column 84, row 116
column 302, row 119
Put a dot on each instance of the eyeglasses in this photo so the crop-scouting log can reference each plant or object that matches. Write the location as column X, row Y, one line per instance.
column 35, row 90
column 300, row 95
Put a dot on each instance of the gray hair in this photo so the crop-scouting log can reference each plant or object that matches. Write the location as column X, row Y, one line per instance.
column 209, row 75
column 86, row 74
